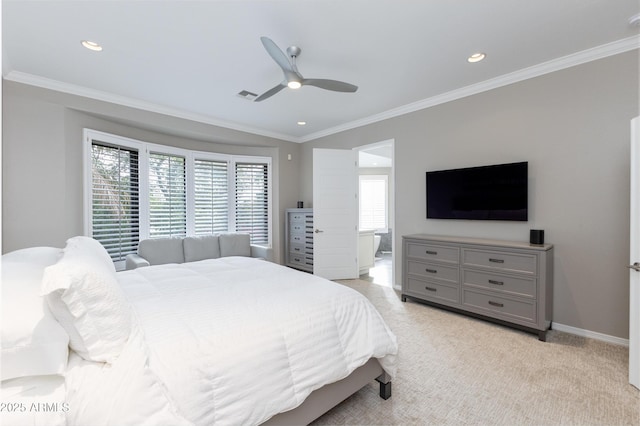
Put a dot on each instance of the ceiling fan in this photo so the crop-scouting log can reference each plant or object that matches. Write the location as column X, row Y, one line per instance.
column 292, row 77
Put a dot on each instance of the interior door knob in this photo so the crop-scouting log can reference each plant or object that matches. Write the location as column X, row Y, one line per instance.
column 635, row 266
column 317, row 231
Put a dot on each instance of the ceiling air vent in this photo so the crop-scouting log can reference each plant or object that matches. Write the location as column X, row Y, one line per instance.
column 245, row 94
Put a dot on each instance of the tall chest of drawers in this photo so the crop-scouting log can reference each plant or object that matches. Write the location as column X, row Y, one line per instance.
column 299, row 239
column 504, row 281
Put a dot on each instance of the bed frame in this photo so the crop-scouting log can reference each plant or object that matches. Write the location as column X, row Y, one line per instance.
column 322, row 400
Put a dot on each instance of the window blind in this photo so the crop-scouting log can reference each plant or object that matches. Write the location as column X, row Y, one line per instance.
column 211, row 197
column 373, row 202
column 139, row 190
column 114, row 199
column 252, row 195
column 167, row 196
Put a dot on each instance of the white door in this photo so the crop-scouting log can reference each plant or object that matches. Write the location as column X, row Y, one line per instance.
column 335, row 214
column 634, row 271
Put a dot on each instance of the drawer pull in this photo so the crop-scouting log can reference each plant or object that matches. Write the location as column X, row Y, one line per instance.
column 499, row 305
column 496, row 260
column 496, row 282
column 431, row 289
column 431, row 271
column 431, row 252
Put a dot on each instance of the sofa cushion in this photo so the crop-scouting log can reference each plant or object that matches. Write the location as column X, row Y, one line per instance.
column 159, row 251
column 200, row 248
column 235, row 244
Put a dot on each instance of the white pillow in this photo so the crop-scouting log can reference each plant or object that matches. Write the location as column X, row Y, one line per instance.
column 85, row 297
column 33, row 343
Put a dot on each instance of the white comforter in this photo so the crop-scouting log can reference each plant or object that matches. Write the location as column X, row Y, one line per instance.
column 231, row 341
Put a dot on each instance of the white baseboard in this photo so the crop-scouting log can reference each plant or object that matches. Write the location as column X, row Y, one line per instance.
column 590, row 334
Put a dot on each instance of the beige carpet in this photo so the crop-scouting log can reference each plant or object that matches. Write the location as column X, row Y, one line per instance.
column 456, row 370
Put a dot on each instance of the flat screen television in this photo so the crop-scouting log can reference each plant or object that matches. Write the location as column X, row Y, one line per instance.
column 497, row 192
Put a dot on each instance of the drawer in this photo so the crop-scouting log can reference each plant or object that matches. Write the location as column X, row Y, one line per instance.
column 512, row 262
column 433, row 291
column 297, row 248
column 519, row 286
column 297, row 239
column 297, row 228
column 504, row 307
column 433, row 252
column 300, row 260
column 433, row 271
column 297, row 217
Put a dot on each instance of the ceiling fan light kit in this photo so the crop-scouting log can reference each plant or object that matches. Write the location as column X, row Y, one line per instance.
column 292, row 77
column 476, row 57
column 91, row 45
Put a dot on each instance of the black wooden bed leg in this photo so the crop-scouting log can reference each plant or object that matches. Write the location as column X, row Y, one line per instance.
column 385, row 385
column 385, row 390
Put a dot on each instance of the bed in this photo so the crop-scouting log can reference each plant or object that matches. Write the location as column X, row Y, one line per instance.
column 233, row 340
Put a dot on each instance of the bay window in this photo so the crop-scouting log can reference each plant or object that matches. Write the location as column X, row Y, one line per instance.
column 136, row 190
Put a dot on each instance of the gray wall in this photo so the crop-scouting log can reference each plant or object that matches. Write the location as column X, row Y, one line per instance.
column 572, row 126
column 42, row 186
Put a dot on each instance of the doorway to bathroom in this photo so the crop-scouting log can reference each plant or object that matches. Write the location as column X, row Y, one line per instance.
column 376, row 211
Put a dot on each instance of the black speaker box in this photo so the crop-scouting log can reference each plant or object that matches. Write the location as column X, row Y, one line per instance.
column 536, row 236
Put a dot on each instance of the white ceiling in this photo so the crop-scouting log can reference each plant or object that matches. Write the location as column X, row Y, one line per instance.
column 191, row 58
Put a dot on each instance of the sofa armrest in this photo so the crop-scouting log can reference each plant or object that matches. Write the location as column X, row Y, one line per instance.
column 133, row 261
column 261, row 252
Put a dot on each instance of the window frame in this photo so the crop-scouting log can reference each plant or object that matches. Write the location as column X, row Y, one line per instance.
column 376, row 177
column 147, row 199
column 191, row 187
column 134, row 231
column 255, row 160
column 144, row 150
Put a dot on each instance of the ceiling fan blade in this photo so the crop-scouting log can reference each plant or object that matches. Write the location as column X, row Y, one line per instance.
column 336, row 86
column 270, row 93
column 278, row 55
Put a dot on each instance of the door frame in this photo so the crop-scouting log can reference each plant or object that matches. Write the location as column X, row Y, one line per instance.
column 634, row 255
column 392, row 206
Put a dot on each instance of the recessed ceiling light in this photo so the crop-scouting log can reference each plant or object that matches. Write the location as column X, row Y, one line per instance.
column 302, row 123
column 476, row 57
column 92, row 45
column 294, row 84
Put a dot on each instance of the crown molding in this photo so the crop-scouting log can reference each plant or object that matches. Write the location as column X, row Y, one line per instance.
column 59, row 86
column 599, row 52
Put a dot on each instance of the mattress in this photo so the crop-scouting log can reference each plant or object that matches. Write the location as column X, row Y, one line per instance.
column 233, row 340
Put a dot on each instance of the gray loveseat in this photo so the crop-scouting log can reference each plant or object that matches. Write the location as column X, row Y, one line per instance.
column 159, row 251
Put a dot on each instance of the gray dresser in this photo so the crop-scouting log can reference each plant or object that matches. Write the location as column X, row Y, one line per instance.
column 299, row 239
column 507, row 282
